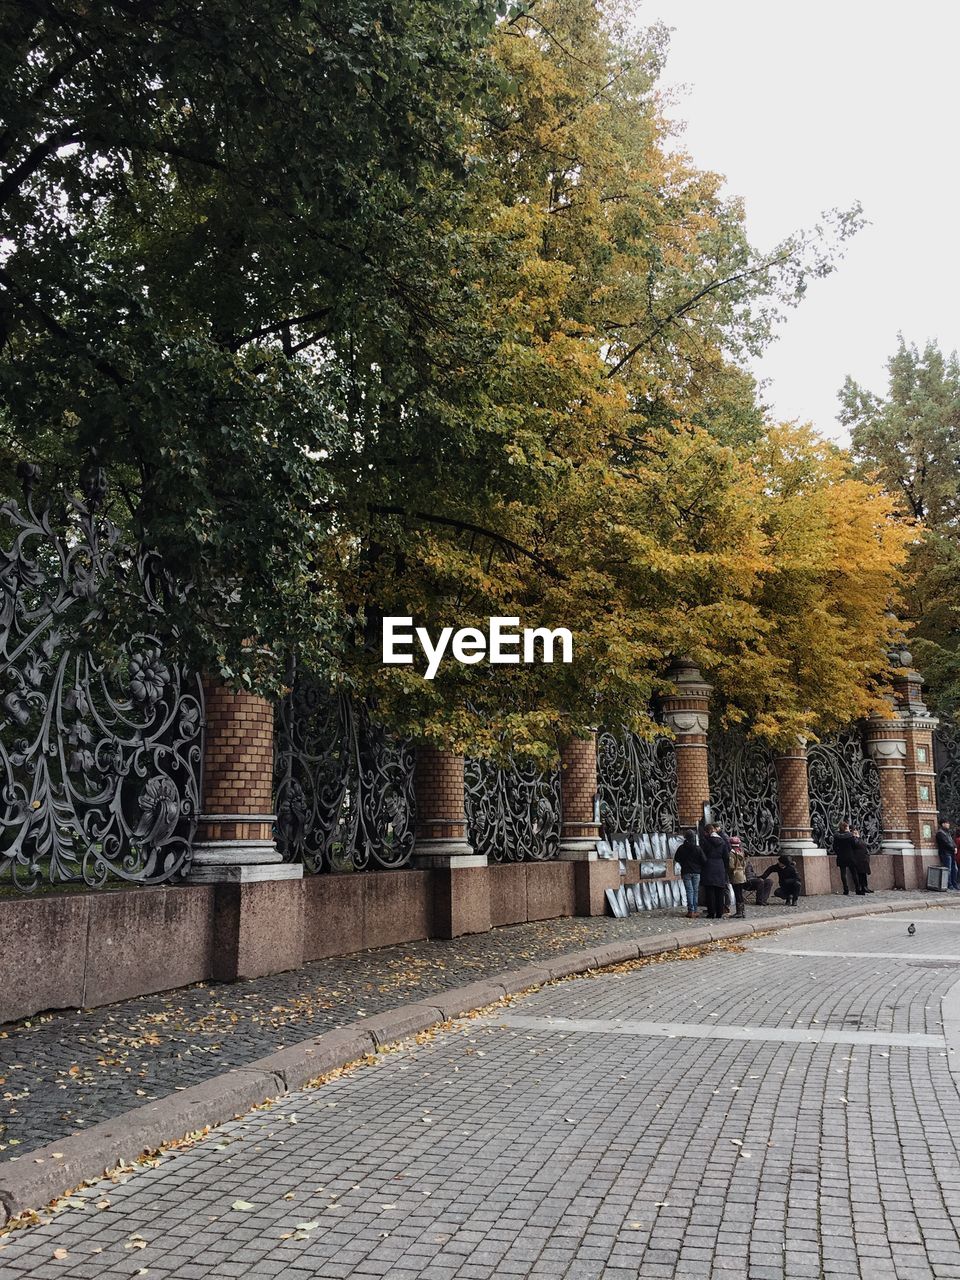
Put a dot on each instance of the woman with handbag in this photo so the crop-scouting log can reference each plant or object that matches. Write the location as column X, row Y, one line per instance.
column 738, row 874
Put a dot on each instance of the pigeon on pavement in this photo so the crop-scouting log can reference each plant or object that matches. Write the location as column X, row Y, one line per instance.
column 911, row 929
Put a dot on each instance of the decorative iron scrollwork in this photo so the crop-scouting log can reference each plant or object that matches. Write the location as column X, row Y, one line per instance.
column 844, row 786
column 513, row 814
column 744, row 796
column 946, row 755
column 343, row 789
column 99, row 757
column 637, row 783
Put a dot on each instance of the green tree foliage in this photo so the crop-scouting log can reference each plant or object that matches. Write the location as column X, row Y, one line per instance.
column 404, row 306
column 202, row 208
column 910, row 438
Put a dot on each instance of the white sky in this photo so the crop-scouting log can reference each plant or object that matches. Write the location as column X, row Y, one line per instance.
column 809, row 106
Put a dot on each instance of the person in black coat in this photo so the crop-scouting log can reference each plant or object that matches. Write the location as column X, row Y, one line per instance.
column 716, row 871
column 842, row 848
column 859, row 863
column 785, row 869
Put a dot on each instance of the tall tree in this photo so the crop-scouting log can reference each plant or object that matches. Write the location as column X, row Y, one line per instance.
column 202, row 207
column 386, row 306
column 910, row 438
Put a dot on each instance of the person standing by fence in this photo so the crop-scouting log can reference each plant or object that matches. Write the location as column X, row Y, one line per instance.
column 859, row 864
column 843, row 848
column 690, row 857
column 947, row 852
column 738, row 874
column 716, row 871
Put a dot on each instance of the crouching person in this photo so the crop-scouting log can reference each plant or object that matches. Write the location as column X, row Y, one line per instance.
column 785, row 869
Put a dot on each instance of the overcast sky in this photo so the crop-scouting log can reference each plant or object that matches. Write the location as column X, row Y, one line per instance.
column 805, row 107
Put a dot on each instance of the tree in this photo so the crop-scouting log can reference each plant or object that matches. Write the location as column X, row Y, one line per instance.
column 619, row 289
column 202, row 208
column 386, row 306
column 910, row 439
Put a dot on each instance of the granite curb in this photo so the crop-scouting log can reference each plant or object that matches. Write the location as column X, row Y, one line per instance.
column 35, row 1179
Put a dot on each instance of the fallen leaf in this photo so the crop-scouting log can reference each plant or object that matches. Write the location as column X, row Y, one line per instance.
column 242, row 1206
column 59, row 1254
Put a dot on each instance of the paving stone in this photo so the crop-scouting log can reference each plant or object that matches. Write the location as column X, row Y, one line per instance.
column 546, row 1147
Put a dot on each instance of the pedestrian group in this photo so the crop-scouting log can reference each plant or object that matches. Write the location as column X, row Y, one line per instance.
column 715, row 863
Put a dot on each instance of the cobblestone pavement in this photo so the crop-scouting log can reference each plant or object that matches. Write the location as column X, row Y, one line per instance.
column 64, row 1071
column 517, row 1146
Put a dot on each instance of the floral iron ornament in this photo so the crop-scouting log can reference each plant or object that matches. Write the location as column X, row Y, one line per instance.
column 343, row 788
column 513, row 812
column 99, row 757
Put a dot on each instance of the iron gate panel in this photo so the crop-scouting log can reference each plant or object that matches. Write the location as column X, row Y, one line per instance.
column 513, row 813
column 100, row 757
column 844, row 786
column 636, row 782
column 946, row 755
column 343, row 788
column 744, row 796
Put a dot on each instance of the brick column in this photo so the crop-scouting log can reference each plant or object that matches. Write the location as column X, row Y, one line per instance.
column 579, row 826
column 687, row 713
column 235, row 830
column 580, row 829
column 796, row 833
column 258, row 904
column 886, row 744
column 460, row 888
column 919, row 772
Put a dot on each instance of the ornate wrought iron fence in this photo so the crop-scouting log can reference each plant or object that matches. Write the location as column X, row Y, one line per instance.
column 946, row 755
column 744, row 796
column 636, row 782
column 100, row 757
column 513, row 814
column 844, row 786
column 343, row 788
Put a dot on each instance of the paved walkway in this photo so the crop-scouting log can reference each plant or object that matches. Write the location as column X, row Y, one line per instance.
column 616, row 1126
column 62, row 1072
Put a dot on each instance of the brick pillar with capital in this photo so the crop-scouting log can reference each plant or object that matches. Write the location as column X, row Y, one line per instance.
column 919, row 772
column 687, row 712
column 796, row 833
column 258, row 901
column 460, row 887
column 580, row 828
column 886, row 744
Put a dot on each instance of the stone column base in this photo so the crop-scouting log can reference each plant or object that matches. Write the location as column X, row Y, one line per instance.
column 258, row 927
column 923, row 859
column 578, row 849
column 813, row 865
column 431, row 855
column 903, row 859
column 461, row 898
column 592, row 878
column 239, row 862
